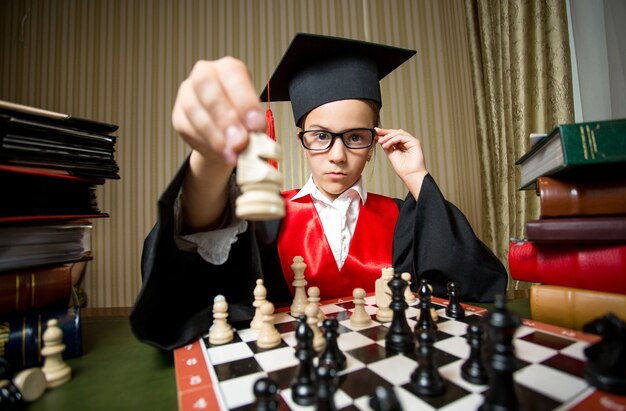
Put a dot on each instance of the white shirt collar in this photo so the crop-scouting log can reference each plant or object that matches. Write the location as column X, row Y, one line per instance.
column 311, row 189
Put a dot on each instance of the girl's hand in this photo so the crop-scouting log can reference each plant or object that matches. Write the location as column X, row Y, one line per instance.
column 216, row 107
column 405, row 155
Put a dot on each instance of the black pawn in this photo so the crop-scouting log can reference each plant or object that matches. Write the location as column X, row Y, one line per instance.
column 425, row 321
column 332, row 355
column 266, row 394
column 399, row 338
column 326, row 387
column 426, row 378
column 303, row 389
column 473, row 369
column 501, row 361
column 454, row 309
column 385, row 399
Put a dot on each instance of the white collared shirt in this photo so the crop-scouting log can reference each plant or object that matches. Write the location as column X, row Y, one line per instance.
column 338, row 217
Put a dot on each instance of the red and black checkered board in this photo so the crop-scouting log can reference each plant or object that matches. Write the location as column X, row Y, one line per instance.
column 549, row 376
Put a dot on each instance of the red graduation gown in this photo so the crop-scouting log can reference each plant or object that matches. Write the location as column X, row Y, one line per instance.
column 302, row 234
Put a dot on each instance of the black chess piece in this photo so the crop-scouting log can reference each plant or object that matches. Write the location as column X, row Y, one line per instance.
column 606, row 365
column 303, row 389
column 426, row 378
column 501, row 361
column 473, row 369
column 425, row 320
column 10, row 397
column 385, row 399
column 332, row 355
column 454, row 309
column 266, row 394
column 399, row 338
column 326, row 387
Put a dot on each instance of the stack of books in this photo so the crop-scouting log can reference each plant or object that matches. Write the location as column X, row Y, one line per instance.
column 50, row 165
column 575, row 253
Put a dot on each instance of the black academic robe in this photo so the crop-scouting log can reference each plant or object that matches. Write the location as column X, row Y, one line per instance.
column 432, row 240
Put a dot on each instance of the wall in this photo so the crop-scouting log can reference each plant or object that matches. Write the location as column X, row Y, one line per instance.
column 121, row 61
column 597, row 34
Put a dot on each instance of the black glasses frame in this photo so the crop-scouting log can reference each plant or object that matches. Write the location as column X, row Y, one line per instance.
column 334, row 137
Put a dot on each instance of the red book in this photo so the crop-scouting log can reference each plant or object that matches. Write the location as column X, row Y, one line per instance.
column 591, row 267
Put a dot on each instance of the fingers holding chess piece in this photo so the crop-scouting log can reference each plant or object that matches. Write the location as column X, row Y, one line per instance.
column 57, row 372
column 260, row 183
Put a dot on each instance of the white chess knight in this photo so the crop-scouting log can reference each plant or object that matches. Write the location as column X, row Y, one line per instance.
column 260, row 183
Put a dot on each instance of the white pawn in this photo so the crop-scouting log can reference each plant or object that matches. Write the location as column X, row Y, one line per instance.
column 314, row 297
column 299, row 299
column 359, row 317
column 260, row 296
column 269, row 337
column 57, row 372
column 409, row 297
column 220, row 332
column 311, row 311
column 383, row 295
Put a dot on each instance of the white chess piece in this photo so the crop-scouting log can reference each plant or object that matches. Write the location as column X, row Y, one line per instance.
column 311, row 311
column 300, row 300
column 383, row 295
column 260, row 183
column 260, row 296
column 221, row 332
column 409, row 297
column 31, row 383
column 269, row 337
column 359, row 317
column 57, row 372
column 314, row 297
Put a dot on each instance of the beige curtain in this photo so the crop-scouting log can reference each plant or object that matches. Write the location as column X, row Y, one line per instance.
column 522, row 80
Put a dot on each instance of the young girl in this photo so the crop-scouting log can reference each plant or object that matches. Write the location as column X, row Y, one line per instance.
column 199, row 249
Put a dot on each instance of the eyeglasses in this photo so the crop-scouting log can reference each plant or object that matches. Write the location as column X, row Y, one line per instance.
column 320, row 140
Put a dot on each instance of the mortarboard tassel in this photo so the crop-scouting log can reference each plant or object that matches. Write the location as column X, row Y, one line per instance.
column 271, row 130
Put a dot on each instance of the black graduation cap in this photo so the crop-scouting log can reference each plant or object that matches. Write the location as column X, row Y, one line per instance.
column 318, row 69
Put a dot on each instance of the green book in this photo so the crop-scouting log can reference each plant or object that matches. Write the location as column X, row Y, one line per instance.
column 596, row 144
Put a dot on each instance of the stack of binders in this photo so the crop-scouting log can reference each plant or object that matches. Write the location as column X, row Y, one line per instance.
column 50, row 166
column 575, row 253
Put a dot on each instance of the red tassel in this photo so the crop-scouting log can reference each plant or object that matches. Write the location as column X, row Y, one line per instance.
column 271, row 130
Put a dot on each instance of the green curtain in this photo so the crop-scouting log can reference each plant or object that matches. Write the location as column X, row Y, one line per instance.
column 521, row 74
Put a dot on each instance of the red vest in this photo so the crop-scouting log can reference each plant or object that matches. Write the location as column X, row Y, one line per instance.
column 301, row 234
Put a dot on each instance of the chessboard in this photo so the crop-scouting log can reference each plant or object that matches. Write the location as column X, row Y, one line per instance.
column 549, row 373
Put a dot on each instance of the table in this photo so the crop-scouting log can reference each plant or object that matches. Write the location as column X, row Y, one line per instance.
column 116, row 371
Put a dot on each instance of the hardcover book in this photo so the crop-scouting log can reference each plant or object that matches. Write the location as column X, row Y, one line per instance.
column 33, row 289
column 587, row 194
column 21, row 336
column 591, row 267
column 577, row 230
column 575, row 145
column 573, row 307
